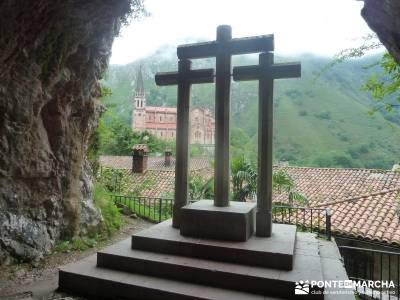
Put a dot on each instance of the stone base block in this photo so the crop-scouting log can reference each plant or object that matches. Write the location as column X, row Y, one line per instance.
column 274, row 252
column 204, row 220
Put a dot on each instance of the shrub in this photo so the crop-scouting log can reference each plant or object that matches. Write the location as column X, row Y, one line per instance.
column 200, row 187
column 324, row 115
column 303, row 113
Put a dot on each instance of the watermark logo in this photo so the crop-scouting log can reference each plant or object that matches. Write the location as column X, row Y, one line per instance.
column 302, row 288
column 306, row 287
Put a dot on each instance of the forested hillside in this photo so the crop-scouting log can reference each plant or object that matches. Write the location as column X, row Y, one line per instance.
column 319, row 120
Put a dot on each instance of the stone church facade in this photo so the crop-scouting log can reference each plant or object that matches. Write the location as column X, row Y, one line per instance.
column 161, row 121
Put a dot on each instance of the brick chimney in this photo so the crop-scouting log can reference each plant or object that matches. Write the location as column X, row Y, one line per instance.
column 167, row 157
column 139, row 158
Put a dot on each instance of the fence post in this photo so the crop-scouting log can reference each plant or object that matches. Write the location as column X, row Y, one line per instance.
column 328, row 224
column 160, row 210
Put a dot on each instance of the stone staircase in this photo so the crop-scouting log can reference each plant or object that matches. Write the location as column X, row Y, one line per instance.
column 159, row 263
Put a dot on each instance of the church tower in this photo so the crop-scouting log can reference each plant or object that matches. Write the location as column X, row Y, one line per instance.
column 139, row 104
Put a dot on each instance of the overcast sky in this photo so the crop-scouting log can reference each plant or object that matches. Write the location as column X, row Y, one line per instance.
column 318, row 26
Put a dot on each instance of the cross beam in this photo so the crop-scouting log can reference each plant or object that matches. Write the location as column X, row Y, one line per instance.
column 192, row 77
column 278, row 71
column 265, row 72
column 255, row 44
column 184, row 78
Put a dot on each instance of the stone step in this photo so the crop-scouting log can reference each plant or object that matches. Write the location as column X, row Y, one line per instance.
column 333, row 269
column 274, row 252
column 85, row 279
column 252, row 279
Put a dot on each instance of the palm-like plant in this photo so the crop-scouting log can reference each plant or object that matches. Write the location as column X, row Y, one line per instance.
column 244, row 179
column 200, row 187
column 282, row 182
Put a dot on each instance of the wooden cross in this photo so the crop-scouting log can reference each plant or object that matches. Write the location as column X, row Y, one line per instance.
column 184, row 78
column 265, row 72
column 223, row 49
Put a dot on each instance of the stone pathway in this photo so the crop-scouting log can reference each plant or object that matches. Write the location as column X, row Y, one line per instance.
column 26, row 282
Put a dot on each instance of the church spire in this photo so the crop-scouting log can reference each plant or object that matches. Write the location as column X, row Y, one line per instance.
column 139, row 90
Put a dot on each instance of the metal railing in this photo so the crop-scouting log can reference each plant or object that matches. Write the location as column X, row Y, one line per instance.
column 153, row 209
column 369, row 266
column 316, row 220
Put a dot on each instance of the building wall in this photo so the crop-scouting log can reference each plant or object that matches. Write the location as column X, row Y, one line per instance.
column 202, row 126
column 163, row 123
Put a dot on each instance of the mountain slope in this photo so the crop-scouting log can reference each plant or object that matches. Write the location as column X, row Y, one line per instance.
column 319, row 121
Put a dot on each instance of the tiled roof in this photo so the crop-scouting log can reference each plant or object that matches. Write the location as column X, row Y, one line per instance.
column 153, row 163
column 157, row 183
column 154, row 183
column 159, row 180
column 372, row 217
column 161, row 109
column 363, row 201
column 325, row 185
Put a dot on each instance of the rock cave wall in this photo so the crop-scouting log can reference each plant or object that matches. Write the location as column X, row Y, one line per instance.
column 52, row 53
column 383, row 17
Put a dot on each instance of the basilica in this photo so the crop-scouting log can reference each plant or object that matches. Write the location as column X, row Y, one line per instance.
column 161, row 121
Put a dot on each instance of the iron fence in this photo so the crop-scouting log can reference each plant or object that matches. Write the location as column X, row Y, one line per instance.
column 371, row 266
column 316, row 220
column 150, row 208
column 159, row 209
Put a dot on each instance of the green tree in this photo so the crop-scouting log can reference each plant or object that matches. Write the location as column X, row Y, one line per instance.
column 116, row 137
column 385, row 87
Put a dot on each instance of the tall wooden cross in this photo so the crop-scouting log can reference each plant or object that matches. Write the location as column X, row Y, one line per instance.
column 265, row 72
column 184, row 78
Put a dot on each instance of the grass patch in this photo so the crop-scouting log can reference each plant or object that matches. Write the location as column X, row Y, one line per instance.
column 150, row 210
column 110, row 212
column 77, row 244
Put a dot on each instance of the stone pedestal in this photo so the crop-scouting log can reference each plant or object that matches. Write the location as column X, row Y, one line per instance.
column 232, row 223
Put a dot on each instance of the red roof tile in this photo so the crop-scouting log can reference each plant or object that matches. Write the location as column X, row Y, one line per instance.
column 326, row 185
column 153, row 163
